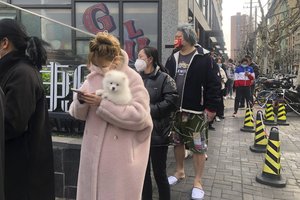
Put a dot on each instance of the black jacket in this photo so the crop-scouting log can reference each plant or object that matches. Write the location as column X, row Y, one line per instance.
column 255, row 69
column 29, row 173
column 163, row 100
column 201, row 89
column 1, row 144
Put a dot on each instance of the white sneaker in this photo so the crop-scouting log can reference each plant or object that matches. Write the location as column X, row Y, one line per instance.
column 197, row 194
column 218, row 119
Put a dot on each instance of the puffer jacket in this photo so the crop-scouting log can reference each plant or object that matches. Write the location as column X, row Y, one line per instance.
column 163, row 100
column 240, row 77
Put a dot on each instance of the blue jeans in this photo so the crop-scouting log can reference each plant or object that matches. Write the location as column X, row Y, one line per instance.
column 230, row 86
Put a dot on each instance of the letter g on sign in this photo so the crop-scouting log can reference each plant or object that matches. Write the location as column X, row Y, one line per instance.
column 95, row 24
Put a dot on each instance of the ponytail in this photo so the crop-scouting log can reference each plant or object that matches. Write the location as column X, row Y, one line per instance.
column 33, row 47
column 162, row 68
column 36, row 51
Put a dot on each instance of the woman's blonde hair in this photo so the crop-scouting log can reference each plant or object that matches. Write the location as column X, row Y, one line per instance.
column 105, row 45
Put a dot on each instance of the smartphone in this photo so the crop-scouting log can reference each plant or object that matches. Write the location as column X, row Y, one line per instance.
column 76, row 90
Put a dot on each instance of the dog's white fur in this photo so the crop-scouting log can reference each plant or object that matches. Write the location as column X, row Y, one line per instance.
column 115, row 87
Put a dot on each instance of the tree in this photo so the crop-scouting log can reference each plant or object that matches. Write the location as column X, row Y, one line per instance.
column 271, row 36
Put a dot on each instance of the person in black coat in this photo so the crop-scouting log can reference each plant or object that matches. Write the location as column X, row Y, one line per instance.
column 1, row 144
column 163, row 100
column 29, row 171
column 198, row 88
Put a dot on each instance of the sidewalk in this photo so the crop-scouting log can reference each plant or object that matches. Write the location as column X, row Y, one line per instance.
column 231, row 167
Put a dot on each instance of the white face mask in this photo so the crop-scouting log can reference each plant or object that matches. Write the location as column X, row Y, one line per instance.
column 220, row 64
column 140, row 65
column 99, row 70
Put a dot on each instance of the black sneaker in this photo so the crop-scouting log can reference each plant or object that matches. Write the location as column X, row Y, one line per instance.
column 210, row 127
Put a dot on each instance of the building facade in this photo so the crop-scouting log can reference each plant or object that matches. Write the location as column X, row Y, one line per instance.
column 240, row 30
column 283, row 36
column 137, row 23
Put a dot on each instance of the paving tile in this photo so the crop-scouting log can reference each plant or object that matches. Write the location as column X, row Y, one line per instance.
column 231, row 168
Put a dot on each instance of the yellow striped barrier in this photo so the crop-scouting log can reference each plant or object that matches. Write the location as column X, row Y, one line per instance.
column 248, row 121
column 260, row 138
column 281, row 114
column 269, row 117
column 271, row 170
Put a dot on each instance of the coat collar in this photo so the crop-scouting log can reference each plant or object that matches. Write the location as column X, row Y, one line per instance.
column 9, row 60
column 152, row 75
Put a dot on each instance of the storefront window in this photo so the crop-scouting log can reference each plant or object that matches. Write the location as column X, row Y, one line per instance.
column 57, row 35
column 140, row 27
column 95, row 17
column 82, row 48
column 34, row 2
column 7, row 13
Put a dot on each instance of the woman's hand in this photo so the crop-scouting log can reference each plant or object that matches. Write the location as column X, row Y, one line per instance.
column 80, row 97
column 90, row 98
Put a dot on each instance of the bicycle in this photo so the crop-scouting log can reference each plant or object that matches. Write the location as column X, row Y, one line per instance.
column 265, row 85
column 289, row 97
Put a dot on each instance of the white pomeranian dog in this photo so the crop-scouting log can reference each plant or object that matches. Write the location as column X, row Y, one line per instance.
column 115, row 87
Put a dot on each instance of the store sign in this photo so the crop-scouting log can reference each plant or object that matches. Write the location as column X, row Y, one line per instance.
column 92, row 22
column 97, row 18
column 61, row 79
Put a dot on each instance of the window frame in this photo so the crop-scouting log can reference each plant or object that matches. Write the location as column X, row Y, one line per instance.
column 121, row 9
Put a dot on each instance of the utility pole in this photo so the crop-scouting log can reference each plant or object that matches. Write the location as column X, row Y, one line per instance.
column 250, row 16
column 250, row 34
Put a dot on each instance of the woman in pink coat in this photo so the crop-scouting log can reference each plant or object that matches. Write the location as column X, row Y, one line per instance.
column 116, row 141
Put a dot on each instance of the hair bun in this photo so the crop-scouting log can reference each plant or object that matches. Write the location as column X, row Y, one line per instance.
column 104, row 45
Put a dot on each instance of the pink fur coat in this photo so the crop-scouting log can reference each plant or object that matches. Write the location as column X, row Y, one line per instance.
column 116, row 142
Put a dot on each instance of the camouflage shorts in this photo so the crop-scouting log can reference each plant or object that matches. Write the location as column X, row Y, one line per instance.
column 191, row 130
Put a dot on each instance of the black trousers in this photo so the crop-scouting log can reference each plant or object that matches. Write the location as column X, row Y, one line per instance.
column 220, row 108
column 158, row 158
column 243, row 101
column 242, row 92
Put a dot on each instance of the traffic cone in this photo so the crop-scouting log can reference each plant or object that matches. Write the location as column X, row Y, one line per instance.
column 260, row 139
column 269, row 117
column 271, row 171
column 248, row 121
column 281, row 114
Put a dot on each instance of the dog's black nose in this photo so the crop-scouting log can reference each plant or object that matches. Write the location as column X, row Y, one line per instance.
column 113, row 88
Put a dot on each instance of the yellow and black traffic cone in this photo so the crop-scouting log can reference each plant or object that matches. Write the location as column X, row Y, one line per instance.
column 271, row 171
column 269, row 117
column 281, row 114
column 260, row 139
column 248, row 121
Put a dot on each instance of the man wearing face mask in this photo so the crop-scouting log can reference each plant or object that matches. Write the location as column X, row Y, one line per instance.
column 243, row 77
column 192, row 68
